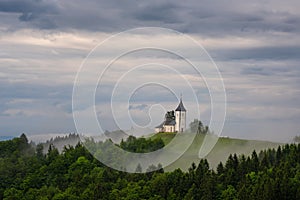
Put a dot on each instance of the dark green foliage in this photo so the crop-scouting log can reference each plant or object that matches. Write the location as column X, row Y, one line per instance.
column 26, row 173
column 141, row 145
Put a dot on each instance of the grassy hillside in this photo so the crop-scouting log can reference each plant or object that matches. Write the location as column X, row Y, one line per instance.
column 166, row 137
column 223, row 148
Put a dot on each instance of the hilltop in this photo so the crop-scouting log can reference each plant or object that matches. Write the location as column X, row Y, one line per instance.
column 223, row 148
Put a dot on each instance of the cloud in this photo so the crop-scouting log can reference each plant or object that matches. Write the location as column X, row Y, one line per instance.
column 28, row 6
column 264, row 71
column 255, row 46
column 261, row 53
column 138, row 107
column 160, row 12
column 34, row 11
column 210, row 18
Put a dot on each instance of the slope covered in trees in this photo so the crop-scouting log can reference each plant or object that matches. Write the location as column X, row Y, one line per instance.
column 26, row 173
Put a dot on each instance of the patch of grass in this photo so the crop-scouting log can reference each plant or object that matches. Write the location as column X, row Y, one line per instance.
column 223, row 148
column 166, row 137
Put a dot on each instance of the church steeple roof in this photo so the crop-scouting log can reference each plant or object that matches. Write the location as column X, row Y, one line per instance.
column 180, row 107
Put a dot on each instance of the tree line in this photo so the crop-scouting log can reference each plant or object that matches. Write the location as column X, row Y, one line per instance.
column 27, row 173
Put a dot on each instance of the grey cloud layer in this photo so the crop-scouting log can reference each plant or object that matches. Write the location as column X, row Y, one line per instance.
column 209, row 17
column 259, row 77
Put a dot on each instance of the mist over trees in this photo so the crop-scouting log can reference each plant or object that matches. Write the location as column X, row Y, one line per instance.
column 27, row 173
column 297, row 139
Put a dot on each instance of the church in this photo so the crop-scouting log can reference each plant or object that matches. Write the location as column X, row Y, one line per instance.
column 174, row 121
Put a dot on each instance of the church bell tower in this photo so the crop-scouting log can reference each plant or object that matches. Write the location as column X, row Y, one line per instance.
column 180, row 115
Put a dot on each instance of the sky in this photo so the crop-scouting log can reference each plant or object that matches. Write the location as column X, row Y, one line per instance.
column 255, row 44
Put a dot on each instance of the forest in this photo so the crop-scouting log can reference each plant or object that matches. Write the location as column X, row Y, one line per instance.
column 28, row 173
